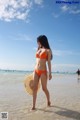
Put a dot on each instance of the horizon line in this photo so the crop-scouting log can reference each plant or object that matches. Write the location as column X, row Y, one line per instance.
column 19, row 70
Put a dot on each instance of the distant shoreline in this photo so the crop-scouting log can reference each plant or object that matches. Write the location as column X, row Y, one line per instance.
column 30, row 71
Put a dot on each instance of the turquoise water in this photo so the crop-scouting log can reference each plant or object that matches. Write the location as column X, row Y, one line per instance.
column 15, row 71
column 24, row 72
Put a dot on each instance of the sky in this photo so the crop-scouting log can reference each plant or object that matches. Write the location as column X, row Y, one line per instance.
column 22, row 21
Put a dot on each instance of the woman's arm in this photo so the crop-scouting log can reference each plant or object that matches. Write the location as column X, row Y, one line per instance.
column 49, row 64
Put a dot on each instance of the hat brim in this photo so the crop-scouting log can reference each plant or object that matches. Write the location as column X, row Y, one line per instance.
column 28, row 84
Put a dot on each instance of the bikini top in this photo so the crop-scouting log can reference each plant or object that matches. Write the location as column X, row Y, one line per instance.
column 42, row 56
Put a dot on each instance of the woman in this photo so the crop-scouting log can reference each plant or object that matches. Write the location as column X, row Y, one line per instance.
column 43, row 55
column 78, row 72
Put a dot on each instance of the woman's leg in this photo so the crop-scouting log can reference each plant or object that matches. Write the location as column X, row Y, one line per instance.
column 44, row 87
column 36, row 81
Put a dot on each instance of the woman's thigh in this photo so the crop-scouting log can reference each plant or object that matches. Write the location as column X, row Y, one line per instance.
column 44, row 81
column 36, row 79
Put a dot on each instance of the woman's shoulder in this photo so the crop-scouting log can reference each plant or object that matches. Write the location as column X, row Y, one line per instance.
column 48, row 50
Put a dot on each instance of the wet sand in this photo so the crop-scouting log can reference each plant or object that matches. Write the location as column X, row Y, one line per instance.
column 65, row 98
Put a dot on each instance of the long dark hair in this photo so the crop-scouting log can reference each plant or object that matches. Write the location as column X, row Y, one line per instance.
column 44, row 43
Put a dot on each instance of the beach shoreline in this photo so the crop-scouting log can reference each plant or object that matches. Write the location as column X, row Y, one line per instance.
column 65, row 98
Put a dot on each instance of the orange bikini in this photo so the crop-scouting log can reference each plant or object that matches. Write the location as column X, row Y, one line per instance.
column 41, row 56
column 39, row 72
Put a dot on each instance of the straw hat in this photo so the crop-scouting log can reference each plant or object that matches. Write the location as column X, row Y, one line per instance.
column 28, row 84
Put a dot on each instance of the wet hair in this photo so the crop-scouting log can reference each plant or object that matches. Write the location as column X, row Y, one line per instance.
column 44, row 43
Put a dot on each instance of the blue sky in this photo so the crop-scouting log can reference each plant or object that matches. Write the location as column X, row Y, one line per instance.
column 22, row 21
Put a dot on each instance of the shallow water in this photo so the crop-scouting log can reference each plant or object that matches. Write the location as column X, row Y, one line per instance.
column 64, row 92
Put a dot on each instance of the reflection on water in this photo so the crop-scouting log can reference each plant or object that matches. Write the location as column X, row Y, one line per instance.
column 78, row 79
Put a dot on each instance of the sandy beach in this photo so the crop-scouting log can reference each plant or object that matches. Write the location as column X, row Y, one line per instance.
column 65, row 98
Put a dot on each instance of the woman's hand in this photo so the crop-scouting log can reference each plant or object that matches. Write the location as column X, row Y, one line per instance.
column 50, row 76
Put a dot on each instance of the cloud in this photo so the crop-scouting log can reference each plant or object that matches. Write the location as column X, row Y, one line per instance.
column 65, row 67
column 11, row 9
column 64, row 52
column 70, row 9
column 16, row 9
column 75, row 11
column 61, row 52
column 39, row 2
column 55, row 15
column 16, row 66
column 65, row 8
column 21, row 37
column 55, row 67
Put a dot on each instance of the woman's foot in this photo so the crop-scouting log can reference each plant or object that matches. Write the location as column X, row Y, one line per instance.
column 49, row 103
column 33, row 108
